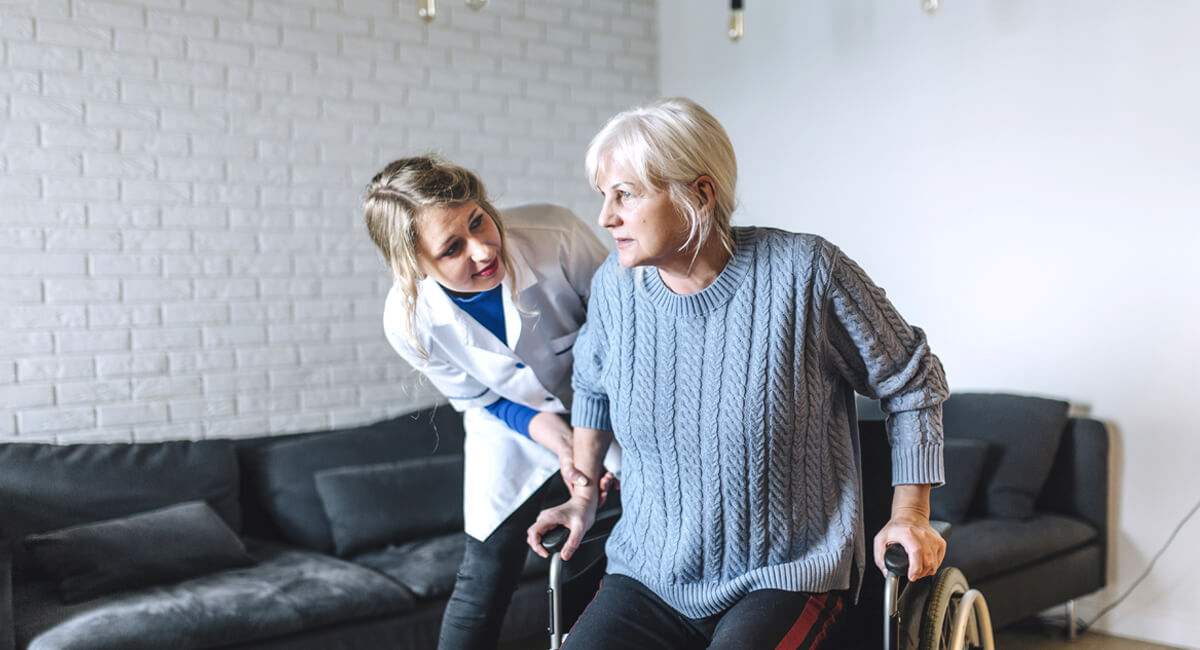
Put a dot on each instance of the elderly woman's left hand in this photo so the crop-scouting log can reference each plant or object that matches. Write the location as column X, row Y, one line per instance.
column 909, row 527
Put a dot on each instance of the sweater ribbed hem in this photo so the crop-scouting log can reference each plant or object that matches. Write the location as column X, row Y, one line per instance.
column 815, row 573
column 714, row 295
column 590, row 412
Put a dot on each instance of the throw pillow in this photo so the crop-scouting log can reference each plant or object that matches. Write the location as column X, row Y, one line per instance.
column 964, row 460
column 1023, row 434
column 370, row 506
column 160, row 546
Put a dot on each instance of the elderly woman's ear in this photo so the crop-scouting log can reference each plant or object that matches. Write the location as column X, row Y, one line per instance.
column 706, row 191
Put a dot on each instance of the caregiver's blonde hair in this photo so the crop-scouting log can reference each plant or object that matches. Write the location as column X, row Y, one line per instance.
column 396, row 200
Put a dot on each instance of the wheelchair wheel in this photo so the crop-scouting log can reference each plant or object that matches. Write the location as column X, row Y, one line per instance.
column 949, row 585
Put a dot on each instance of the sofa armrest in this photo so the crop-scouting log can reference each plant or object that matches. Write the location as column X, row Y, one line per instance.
column 1078, row 484
column 7, row 624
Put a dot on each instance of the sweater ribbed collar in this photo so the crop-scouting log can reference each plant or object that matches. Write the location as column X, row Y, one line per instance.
column 714, row 295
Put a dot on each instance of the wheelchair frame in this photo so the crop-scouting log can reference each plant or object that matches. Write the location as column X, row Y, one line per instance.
column 940, row 612
column 916, row 617
column 553, row 541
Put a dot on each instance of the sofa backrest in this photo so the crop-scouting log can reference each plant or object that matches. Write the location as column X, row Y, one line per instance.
column 1037, row 458
column 279, row 493
column 46, row 487
column 1078, row 485
column 1022, row 435
column 260, row 486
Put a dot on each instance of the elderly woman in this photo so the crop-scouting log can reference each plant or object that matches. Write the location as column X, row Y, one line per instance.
column 725, row 361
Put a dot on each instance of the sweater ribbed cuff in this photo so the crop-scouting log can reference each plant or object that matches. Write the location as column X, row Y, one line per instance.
column 589, row 412
column 918, row 465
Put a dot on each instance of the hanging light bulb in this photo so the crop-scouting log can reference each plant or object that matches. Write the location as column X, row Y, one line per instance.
column 930, row 6
column 477, row 4
column 737, row 27
column 427, row 10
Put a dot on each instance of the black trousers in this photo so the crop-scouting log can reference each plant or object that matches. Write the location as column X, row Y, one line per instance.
column 626, row 614
column 490, row 572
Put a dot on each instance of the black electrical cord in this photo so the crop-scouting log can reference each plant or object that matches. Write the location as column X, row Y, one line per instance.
column 1084, row 627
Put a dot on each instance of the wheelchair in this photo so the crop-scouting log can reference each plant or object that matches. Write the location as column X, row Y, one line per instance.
column 588, row 558
column 939, row 612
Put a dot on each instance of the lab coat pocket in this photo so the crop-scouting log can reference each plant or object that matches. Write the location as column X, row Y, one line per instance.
column 563, row 344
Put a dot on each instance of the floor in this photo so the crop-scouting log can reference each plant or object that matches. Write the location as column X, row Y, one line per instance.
column 1036, row 635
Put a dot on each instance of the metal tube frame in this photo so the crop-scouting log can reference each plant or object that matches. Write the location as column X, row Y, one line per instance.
column 972, row 608
column 891, row 606
column 555, row 589
column 1072, row 623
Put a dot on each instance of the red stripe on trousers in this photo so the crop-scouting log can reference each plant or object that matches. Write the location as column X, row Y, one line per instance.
column 810, row 617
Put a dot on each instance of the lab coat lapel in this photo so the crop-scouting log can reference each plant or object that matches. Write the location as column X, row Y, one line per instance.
column 445, row 315
column 524, row 278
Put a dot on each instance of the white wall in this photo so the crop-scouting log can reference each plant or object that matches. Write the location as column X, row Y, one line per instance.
column 181, row 249
column 1024, row 179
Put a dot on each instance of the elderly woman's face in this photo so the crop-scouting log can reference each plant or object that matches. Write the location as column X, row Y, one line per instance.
column 649, row 230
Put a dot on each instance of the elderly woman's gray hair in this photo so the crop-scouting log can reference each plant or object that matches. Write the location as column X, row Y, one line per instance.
column 668, row 144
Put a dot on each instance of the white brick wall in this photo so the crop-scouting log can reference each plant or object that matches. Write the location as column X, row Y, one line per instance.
column 181, row 251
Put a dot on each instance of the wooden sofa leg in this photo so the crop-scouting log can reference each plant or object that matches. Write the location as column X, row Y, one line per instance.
column 1071, row 627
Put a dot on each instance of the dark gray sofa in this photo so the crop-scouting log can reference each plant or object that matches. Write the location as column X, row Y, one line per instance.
column 1026, row 492
column 317, row 578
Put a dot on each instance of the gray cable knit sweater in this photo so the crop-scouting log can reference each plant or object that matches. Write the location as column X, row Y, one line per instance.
column 733, row 408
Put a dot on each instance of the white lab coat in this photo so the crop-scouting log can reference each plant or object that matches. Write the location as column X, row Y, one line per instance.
column 554, row 256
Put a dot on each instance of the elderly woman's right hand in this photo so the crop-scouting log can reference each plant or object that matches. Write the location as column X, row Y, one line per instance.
column 578, row 514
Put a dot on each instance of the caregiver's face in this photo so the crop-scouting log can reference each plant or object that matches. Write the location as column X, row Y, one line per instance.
column 459, row 246
column 647, row 227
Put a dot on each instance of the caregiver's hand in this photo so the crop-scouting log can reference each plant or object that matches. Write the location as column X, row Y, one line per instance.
column 552, row 432
column 607, row 482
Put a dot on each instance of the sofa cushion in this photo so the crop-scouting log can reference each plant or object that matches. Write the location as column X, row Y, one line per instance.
column 428, row 567
column 370, row 506
column 156, row 547
column 964, row 459
column 1024, row 433
column 288, row 591
column 46, row 487
column 283, row 472
column 984, row 548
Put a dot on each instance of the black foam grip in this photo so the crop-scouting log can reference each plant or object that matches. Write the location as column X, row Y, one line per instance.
column 895, row 558
column 555, row 538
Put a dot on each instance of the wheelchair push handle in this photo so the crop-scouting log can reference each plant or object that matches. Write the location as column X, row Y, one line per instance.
column 895, row 558
column 554, row 539
column 606, row 518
